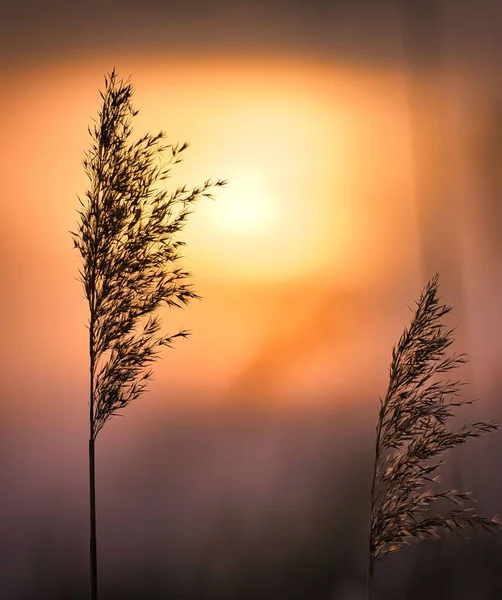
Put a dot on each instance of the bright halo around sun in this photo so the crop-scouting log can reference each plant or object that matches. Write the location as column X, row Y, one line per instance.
column 247, row 207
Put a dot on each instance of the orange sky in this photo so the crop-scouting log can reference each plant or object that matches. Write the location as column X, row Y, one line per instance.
column 295, row 258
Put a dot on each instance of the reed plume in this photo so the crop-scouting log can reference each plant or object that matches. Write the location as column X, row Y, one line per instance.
column 127, row 237
column 412, row 432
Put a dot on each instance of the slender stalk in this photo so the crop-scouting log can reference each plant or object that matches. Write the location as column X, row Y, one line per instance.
column 371, row 561
column 92, row 472
column 93, row 542
column 412, row 433
column 93, row 558
column 369, row 578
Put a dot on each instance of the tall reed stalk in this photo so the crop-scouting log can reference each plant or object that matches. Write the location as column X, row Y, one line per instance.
column 127, row 237
column 411, row 433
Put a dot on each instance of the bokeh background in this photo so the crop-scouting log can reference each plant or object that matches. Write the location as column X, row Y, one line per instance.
column 363, row 144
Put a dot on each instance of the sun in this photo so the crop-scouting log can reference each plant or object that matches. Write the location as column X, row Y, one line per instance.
column 292, row 145
column 248, row 207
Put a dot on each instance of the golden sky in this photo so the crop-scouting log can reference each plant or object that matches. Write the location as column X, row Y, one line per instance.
column 311, row 250
column 312, row 210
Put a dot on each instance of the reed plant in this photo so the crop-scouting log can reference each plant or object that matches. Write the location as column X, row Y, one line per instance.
column 407, row 503
column 128, row 238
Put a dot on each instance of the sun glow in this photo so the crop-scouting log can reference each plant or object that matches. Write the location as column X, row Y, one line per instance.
column 306, row 185
column 311, row 205
column 249, row 208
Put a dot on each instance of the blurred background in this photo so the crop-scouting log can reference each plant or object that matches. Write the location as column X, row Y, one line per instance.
column 363, row 144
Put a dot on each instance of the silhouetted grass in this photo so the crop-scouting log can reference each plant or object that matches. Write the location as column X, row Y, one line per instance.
column 411, row 433
column 127, row 240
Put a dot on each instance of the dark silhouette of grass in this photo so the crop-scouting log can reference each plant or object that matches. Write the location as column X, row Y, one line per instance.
column 411, row 433
column 127, row 240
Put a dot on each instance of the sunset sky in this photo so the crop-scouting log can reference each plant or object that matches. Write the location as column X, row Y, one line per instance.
column 360, row 161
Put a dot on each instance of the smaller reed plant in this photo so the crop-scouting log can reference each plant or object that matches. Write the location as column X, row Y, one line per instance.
column 411, row 434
